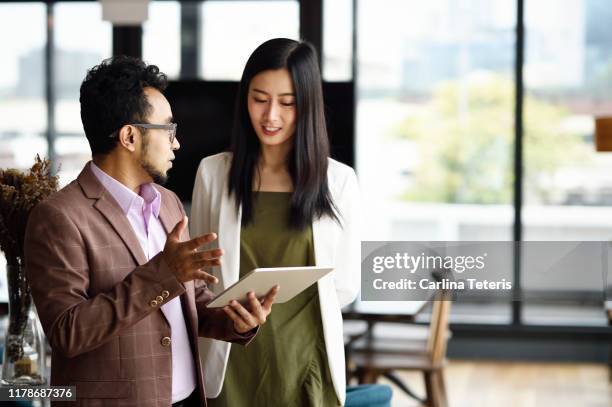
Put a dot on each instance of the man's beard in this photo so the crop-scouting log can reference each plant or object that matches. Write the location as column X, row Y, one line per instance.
column 158, row 176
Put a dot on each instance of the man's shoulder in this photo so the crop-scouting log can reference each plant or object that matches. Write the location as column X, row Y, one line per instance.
column 70, row 202
column 66, row 197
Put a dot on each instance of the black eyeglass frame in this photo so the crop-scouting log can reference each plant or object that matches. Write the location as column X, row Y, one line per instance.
column 171, row 128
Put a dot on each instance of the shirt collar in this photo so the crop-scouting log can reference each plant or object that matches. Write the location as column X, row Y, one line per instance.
column 125, row 197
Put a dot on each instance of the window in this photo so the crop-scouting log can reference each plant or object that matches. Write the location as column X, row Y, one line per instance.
column 435, row 98
column 337, row 40
column 435, row 123
column 231, row 30
column 568, row 81
column 567, row 185
column 23, row 109
column 82, row 40
column 161, row 39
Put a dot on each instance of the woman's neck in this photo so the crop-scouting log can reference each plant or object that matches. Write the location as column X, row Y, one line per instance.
column 274, row 158
column 273, row 172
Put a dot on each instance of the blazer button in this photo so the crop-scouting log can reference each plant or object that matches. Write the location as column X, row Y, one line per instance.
column 166, row 341
column 159, row 299
column 153, row 303
column 165, row 293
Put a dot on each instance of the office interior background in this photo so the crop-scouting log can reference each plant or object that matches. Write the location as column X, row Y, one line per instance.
column 466, row 120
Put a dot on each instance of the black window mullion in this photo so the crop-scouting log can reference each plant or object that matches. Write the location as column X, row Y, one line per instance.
column 190, row 39
column 311, row 25
column 518, row 158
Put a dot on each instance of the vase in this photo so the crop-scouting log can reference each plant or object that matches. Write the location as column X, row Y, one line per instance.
column 23, row 361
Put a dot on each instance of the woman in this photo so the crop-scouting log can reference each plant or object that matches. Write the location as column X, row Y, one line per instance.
column 278, row 200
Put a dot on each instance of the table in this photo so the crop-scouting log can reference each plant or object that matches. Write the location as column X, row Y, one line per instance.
column 384, row 311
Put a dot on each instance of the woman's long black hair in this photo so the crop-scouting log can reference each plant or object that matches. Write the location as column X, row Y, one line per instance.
column 307, row 164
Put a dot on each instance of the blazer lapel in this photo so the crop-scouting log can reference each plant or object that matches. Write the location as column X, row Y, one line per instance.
column 229, row 240
column 110, row 209
column 320, row 235
column 169, row 219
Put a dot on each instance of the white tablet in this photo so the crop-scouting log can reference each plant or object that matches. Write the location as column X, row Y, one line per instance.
column 292, row 281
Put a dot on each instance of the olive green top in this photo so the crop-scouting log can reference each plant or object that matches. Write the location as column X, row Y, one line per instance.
column 286, row 364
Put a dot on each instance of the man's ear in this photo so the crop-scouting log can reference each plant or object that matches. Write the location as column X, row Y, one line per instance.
column 127, row 137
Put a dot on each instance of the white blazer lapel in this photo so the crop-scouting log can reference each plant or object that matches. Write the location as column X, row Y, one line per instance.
column 321, row 234
column 229, row 240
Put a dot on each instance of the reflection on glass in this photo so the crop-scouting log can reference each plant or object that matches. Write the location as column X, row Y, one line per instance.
column 231, row 30
column 82, row 40
column 435, row 119
column 567, row 185
column 161, row 37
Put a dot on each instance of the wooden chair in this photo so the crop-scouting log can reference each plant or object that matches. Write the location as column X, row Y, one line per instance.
column 376, row 355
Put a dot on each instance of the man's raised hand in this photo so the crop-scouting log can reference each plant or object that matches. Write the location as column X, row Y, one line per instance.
column 185, row 260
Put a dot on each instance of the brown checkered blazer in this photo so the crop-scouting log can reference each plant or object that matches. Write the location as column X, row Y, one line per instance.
column 94, row 292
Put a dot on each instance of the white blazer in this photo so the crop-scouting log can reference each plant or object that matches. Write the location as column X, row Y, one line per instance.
column 212, row 210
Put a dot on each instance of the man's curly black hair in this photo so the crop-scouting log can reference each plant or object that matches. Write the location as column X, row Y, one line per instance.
column 112, row 96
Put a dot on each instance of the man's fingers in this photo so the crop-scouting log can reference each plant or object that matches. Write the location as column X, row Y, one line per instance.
column 208, row 258
column 244, row 314
column 209, row 278
column 256, row 310
column 208, row 254
column 206, row 264
column 196, row 242
column 239, row 323
column 175, row 234
column 270, row 297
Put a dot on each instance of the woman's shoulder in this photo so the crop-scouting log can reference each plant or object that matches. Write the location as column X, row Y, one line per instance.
column 339, row 172
column 215, row 163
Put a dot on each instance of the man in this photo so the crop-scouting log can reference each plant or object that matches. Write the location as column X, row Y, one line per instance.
column 119, row 287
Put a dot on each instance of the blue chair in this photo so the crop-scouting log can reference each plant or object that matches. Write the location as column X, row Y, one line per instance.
column 368, row 395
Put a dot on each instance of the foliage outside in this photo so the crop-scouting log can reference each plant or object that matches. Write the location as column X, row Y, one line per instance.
column 465, row 143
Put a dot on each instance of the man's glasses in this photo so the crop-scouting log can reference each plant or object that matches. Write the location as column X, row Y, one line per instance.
column 171, row 128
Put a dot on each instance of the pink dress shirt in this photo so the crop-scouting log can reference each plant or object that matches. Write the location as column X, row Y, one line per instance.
column 142, row 210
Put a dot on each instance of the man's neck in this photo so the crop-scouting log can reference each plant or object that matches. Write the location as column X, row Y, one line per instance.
column 122, row 171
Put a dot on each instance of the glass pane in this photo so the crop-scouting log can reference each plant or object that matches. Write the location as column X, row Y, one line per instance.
column 568, row 75
column 161, row 44
column 231, row 30
column 435, row 132
column 23, row 108
column 435, row 118
column 337, row 40
column 82, row 40
column 567, row 185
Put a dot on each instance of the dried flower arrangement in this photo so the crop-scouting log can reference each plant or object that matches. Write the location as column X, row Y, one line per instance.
column 20, row 192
